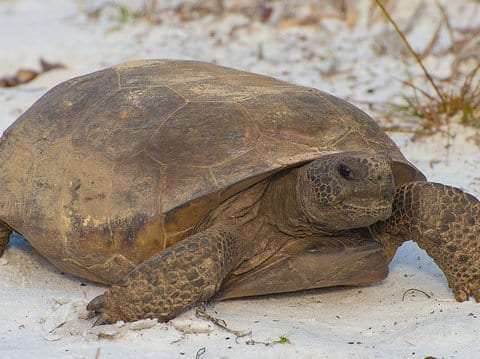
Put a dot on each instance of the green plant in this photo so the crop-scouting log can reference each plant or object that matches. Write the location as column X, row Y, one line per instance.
column 124, row 14
column 282, row 339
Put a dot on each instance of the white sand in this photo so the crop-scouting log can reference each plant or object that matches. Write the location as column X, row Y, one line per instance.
column 42, row 311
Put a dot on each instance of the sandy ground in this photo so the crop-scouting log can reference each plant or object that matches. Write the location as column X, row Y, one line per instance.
column 356, row 57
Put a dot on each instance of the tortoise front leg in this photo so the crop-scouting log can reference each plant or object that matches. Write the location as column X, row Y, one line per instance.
column 167, row 283
column 445, row 222
column 5, row 232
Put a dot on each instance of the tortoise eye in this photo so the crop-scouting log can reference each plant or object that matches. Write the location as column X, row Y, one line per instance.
column 345, row 172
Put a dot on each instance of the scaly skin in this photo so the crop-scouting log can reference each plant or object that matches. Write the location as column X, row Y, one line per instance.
column 445, row 222
column 5, row 232
column 166, row 284
column 193, row 269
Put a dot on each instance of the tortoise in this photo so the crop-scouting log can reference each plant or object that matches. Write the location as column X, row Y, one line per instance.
column 182, row 181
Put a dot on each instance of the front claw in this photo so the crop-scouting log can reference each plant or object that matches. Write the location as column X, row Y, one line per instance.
column 476, row 294
column 461, row 266
column 463, row 292
column 97, row 304
column 101, row 320
column 102, row 307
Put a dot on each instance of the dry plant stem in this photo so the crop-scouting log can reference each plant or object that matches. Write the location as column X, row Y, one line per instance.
column 410, row 49
column 202, row 313
column 200, row 352
column 449, row 26
column 415, row 290
column 432, row 41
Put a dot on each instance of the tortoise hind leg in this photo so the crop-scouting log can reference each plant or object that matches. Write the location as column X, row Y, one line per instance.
column 167, row 283
column 5, row 232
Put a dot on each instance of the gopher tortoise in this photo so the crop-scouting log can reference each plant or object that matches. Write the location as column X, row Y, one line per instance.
column 181, row 181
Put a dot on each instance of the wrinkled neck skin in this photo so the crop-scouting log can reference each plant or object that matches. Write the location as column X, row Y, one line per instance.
column 387, row 235
column 282, row 207
column 394, row 231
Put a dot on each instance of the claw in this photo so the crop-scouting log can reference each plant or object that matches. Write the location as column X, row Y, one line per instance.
column 97, row 304
column 460, row 295
column 102, row 319
column 476, row 295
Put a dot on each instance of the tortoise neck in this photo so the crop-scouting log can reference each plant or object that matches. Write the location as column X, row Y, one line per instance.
column 283, row 209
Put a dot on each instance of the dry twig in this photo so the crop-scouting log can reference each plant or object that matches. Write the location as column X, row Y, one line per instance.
column 415, row 290
column 202, row 314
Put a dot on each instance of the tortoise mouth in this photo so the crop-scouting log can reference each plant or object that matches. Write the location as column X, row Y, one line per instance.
column 358, row 202
column 364, row 212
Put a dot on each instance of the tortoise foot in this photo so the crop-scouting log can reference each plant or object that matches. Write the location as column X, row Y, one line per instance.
column 167, row 283
column 129, row 301
column 462, row 269
column 97, row 305
column 466, row 290
column 444, row 221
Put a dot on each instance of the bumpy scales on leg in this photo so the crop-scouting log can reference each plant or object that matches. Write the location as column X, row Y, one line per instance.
column 445, row 222
column 167, row 283
column 5, row 232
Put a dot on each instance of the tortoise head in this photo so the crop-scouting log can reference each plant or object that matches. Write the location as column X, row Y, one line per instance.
column 346, row 190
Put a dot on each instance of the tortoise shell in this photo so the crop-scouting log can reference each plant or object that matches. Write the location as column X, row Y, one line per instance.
column 109, row 168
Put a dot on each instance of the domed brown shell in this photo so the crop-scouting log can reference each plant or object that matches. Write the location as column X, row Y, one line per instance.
column 109, row 168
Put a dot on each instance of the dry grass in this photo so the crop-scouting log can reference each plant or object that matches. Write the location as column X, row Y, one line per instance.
column 461, row 101
column 455, row 99
column 284, row 13
column 123, row 14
